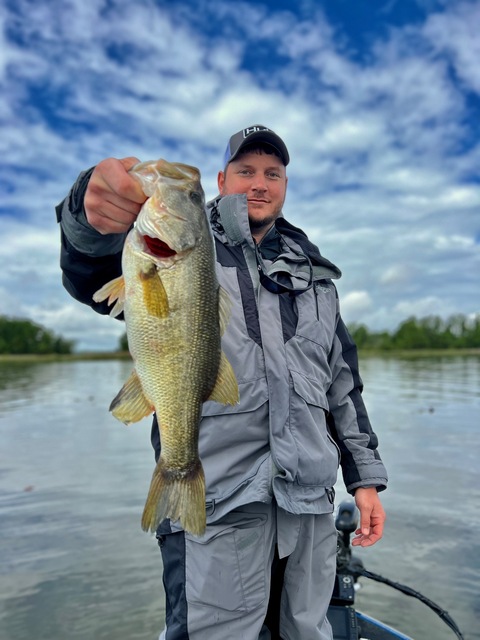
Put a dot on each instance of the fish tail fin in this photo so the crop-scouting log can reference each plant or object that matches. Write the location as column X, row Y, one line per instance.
column 178, row 495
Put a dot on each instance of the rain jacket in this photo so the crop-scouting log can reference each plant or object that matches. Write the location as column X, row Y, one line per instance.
column 301, row 412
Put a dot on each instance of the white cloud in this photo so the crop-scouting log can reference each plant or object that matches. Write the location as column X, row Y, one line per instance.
column 456, row 33
column 73, row 321
column 460, row 197
column 453, row 242
column 396, row 274
column 355, row 304
column 426, row 306
column 349, row 134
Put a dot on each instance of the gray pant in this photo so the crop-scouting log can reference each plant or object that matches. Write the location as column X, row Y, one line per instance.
column 218, row 586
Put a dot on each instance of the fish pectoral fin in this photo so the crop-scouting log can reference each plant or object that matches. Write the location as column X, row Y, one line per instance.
column 225, row 390
column 224, row 309
column 154, row 294
column 113, row 291
column 130, row 403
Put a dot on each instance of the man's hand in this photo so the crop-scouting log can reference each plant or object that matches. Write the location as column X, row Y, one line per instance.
column 113, row 198
column 372, row 517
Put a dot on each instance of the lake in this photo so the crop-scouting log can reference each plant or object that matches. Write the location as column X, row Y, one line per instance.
column 74, row 562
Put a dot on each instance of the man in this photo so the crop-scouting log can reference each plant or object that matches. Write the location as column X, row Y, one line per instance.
column 270, row 462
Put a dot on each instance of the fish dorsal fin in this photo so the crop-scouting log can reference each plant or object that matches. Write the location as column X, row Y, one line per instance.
column 225, row 390
column 130, row 403
column 154, row 294
column 113, row 291
column 224, row 309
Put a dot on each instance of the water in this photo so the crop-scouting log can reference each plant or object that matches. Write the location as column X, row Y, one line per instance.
column 75, row 564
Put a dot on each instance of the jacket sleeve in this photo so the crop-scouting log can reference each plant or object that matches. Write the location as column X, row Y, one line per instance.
column 348, row 419
column 88, row 259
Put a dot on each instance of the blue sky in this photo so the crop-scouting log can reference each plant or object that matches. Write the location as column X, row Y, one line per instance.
column 377, row 101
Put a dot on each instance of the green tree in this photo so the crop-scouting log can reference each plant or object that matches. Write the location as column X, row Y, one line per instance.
column 360, row 335
column 472, row 332
column 123, row 343
column 22, row 336
column 431, row 332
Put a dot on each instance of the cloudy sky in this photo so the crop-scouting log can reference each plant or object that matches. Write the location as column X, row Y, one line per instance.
column 377, row 100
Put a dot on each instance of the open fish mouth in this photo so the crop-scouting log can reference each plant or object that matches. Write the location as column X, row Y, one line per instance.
column 158, row 247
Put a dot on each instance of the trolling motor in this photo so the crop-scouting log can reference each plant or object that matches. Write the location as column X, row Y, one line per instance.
column 341, row 613
column 346, row 523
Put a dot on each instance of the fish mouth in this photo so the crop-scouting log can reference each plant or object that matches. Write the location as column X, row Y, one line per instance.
column 158, row 247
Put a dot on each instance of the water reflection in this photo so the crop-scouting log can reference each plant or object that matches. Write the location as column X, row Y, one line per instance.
column 74, row 562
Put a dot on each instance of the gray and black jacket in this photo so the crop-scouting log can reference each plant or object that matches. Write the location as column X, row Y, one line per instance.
column 301, row 412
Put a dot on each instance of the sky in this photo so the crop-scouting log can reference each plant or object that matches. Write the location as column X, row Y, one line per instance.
column 378, row 102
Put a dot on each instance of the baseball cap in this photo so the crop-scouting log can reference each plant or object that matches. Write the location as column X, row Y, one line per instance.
column 255, row 133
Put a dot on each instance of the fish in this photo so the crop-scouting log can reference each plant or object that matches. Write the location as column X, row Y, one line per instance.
column 175, row 313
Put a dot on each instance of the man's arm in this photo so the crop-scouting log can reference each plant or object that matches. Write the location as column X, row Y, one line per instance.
column 363, row 471
column 95, row 218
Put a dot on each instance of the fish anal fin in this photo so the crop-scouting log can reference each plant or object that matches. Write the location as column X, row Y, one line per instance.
column 154, row 294
column 225, row 390
column 176, row 494
column 130, row 403
column 113, row 292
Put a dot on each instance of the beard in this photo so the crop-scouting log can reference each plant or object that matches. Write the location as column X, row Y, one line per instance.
column 264, row 222
column 257, row 224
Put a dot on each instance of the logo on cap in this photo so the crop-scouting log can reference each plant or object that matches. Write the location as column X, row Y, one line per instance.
column 255, row 129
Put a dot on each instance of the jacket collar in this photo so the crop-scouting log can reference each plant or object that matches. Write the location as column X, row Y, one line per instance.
column 229, row 219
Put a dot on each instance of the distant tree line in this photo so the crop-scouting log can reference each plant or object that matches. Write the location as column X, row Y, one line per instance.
column 123, row 343
column 432, row 332
column 21, row 336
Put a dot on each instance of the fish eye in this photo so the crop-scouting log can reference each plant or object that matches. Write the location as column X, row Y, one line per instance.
column 195, row 197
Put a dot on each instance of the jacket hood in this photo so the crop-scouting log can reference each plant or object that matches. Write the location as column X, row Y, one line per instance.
column 229, row 220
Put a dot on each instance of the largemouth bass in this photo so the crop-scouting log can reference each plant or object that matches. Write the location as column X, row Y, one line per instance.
column 175, row 313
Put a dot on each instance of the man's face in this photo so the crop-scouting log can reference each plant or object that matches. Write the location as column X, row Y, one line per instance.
column 262, row 177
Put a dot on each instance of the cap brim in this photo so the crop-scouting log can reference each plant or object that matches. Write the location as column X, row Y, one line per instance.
column 266, row 137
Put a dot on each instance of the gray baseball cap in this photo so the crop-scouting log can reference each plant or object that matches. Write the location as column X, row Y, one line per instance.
column 255, row 133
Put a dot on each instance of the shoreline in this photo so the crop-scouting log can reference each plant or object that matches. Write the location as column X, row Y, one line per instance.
column 125, row 355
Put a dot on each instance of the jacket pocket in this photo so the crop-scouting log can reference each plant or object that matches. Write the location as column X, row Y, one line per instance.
column 241, row 431
column 318, row 454
column 317, row 316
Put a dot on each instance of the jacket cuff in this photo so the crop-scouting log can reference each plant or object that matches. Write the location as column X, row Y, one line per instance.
column 380, row 484
column 79, row 233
